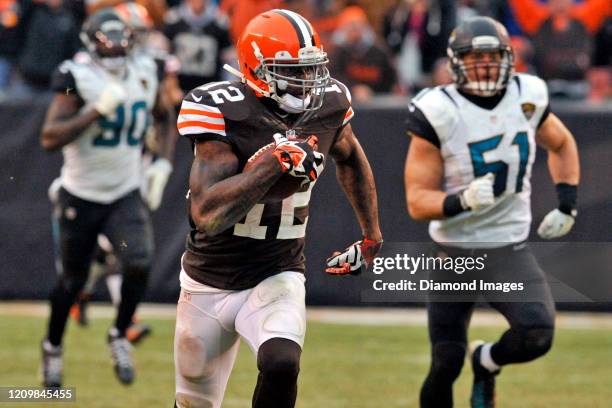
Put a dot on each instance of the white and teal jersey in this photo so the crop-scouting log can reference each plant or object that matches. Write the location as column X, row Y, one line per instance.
column 103, row 164
column 474, row 141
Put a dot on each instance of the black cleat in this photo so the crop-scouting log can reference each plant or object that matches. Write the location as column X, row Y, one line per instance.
column 52, row 365
column 483, row 388
column 121, row 354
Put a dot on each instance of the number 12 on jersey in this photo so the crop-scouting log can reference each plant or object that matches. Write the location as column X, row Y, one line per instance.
column 287, row 229
column 499, row 167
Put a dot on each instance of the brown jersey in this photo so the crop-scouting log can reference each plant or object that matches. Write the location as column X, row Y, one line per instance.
column 270, row 238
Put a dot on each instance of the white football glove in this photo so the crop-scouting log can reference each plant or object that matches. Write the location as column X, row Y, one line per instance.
column 556, row 224
column 479, row 193
column 354, row 259
column 111, row 97
column 156, row 178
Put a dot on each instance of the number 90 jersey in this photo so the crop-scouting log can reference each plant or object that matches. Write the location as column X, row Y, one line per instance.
column 474, row 141
column 270, row 238
column 104, row 163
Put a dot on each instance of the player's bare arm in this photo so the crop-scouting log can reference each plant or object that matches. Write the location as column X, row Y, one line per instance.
column 564, row 168
column 423, row 174
column 220, row 195
column 355, row 176
column 63, row 124
column 425, row 199
column 557, row 140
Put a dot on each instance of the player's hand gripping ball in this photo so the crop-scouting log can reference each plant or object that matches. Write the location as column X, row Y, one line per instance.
column 300, row 161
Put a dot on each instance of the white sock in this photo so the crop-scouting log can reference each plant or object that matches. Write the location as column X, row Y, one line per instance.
column 486, row 360
column 50, row 347
column 113, row 282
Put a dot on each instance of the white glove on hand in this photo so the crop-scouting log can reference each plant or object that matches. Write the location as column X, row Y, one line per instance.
column 156, row 177
column 354, row 259
column 479, row 193
column 111, row 97
column 556, row 224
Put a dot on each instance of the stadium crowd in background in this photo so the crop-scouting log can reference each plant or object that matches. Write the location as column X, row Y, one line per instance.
column 393, row 46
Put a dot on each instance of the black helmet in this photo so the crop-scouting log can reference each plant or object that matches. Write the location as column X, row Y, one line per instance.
column 480, row 34
column 107, row 38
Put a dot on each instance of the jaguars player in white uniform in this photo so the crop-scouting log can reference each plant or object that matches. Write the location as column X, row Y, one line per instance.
column 147, row 44
column 98, row 118
column 468, row 171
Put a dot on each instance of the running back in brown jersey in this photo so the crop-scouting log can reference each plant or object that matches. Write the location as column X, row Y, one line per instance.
column 270, row 238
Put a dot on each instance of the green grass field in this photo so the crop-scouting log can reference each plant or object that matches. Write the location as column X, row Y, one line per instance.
column 342, row 367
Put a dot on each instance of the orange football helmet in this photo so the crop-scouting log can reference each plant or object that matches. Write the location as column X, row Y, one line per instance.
column 281, row 57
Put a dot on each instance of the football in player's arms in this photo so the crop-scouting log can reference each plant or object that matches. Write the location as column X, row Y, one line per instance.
column 288, row 184
column 260, row 143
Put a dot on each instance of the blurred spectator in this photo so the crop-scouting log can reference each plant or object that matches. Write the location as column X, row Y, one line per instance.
column 51, row 36
column 78, row 9
column 358, row 60
column 417, row 31
column 10, row 38
column 200, row 40
column 153, row 43
column 323, row 15
column 600, row 76
column 602, row 56
column 441, row 73
column 240, row 12
column 156, row 8
column 562, row 34
column 523, row 54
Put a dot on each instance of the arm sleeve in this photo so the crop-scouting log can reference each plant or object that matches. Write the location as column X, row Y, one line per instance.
column 544, row 115
column 417, row 125
column 62, row 80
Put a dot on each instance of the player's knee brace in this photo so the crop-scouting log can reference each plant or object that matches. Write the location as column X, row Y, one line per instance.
column 447, row 360
column 280, row 358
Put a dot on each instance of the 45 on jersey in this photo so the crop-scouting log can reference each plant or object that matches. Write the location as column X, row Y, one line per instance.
column 507, row 156
column 127, row 125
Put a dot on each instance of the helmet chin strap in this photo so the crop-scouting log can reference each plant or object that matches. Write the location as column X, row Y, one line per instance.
column 240, row 75
column 292, row 104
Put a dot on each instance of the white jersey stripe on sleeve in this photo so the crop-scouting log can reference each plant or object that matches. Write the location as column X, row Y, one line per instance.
column 200, row 106
column 195, row 118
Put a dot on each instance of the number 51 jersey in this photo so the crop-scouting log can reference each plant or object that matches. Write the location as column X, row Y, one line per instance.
column 474, row 141
column 270, row 238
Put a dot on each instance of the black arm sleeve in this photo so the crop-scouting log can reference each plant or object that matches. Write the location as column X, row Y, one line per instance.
column 544, row 115
column 63, row 81
column 418, row 125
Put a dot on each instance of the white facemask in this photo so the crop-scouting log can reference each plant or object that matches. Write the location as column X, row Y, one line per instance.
column 293, row 104
column 114, row 64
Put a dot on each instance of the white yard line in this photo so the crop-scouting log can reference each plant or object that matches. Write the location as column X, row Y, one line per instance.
column 350, row 316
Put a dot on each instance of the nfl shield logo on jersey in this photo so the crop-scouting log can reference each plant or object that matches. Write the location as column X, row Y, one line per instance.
column 528, row 110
